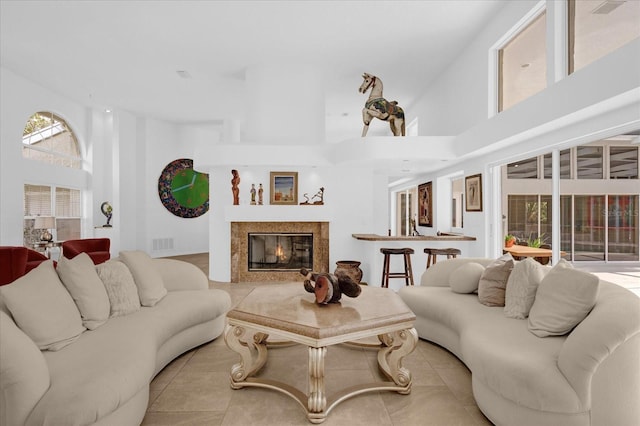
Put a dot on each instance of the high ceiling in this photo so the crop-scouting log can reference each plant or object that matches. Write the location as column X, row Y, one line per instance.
column 126, row 54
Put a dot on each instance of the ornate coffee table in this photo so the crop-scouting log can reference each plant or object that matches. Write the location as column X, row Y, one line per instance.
column 289, row 312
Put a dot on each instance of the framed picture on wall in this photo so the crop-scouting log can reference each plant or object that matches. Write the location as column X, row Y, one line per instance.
column 284, row 188
column 425, row 204
column 473, row 193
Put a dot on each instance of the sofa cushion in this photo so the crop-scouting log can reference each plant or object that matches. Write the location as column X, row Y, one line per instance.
column 521, row 288
column 564, row 298
column 119, row 358
column 147, row 278
column 500, row 352
column 80, row 278
column 465, row 279
column 493, row 282
column 43, row 309
column 120, row 287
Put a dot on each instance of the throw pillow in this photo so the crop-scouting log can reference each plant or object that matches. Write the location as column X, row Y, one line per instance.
column 465, row 279
column 493, row 282
column 564, row 298
column 147, row 278
column 521, row 288
column 43, row 308
column 80, row 278
column 120, row 287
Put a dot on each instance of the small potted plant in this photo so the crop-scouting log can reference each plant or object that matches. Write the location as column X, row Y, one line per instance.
column 509, row 240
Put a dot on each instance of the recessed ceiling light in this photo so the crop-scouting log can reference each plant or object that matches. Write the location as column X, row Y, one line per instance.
column 107, row 110
column 183, row 74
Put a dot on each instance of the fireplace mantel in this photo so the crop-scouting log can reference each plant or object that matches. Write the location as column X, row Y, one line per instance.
column 268, row 213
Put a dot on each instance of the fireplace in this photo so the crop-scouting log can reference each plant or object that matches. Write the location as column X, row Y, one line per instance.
column 280, row 251
column 276, row 251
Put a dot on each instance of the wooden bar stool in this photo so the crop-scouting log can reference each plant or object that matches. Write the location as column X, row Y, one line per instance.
column 432, row 254
column 408, row 272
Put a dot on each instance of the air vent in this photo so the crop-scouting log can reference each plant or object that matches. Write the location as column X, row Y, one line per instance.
column 607, row 7
column 183, row 74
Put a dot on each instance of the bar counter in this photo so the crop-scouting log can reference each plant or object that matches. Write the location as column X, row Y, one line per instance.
column 444, row 237
column 366, row 249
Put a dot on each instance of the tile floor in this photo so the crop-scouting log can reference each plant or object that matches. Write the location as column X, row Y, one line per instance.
column 194, row 389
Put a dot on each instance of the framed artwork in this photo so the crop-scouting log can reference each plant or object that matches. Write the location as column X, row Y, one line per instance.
column 473, row 193
column 284, row 188
column 425, row 204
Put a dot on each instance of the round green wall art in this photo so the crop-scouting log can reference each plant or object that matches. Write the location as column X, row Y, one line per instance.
column 182, row 190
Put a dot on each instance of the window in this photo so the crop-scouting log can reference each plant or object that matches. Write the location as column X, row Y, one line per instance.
column 565, row 165
column 522, row 64
column 64, row 204
column 47, row 138
column 598, row 27
column 623, row 162
column 406, row 202
column 525, row 169
column 589, row 162
column 457, row 203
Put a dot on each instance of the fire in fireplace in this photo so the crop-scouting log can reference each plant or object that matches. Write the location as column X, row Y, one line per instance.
column 280, row 251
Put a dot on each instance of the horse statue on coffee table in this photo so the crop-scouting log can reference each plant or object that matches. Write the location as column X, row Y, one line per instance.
column 378, row 107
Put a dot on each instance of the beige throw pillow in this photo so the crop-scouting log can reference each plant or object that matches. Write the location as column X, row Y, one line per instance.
column 43, row 308
column 465, row 279
column 521, row 288
column 80, row 278
column 493, row 282
column 147, row 278
column 120, row 287
column 564, row 298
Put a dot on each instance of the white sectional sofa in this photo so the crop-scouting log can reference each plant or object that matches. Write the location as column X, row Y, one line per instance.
column 590, row 376
column 102, row 377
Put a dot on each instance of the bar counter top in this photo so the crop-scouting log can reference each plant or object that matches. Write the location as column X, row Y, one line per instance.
column 443, row 237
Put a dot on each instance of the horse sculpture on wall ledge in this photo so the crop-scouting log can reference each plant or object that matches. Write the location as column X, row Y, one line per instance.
column 378, row 107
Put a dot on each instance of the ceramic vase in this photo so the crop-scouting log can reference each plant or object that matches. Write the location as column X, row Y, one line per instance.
column 350, row 268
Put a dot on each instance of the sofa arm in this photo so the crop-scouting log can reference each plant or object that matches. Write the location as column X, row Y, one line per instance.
column 600, row 357
column 24, row 375
column 438, row 274
column 178, row 275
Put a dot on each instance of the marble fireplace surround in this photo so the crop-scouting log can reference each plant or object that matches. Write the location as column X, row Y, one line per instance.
column 240, row 249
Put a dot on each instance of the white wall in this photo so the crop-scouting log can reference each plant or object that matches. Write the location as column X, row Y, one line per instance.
column 124, row 154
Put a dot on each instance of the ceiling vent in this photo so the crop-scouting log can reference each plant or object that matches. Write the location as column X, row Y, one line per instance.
column 607, row 7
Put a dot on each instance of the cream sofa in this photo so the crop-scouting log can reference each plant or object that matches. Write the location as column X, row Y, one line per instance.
column 103, row 376
column 590, row 376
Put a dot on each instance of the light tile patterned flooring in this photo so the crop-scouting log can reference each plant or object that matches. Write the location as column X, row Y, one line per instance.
column 194, row 389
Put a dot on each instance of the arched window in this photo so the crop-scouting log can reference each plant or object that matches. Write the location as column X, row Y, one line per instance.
column 48, row 138
column 52, row 213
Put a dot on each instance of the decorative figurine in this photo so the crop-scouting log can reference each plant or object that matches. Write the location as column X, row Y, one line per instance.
column 107, row 210
column 329, row 288
column 319, row 195
column 378, row 107
column 253, row 194
column 260, row 192
column 234, row 187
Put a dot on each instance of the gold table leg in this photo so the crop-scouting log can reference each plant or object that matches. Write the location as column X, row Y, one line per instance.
column 252, row 347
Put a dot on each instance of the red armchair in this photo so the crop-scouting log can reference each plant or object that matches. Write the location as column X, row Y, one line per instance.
column 96, row 248
column 17, row 261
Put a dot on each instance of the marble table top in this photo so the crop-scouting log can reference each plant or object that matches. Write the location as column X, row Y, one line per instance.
column 290, row 310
